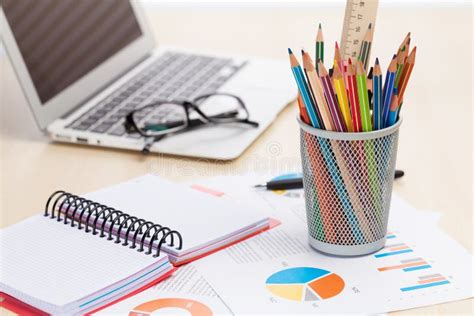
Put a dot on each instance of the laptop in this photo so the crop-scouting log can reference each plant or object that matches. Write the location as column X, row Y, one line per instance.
column 84, row 65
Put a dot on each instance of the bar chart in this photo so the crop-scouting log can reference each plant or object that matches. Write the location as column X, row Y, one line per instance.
column 408, row 265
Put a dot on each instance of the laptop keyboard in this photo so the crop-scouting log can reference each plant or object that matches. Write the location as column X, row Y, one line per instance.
column 172, row 76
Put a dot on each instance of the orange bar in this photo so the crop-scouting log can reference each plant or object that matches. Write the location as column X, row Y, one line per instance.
column 399, row 248
column 432, row 280
column 401, row 266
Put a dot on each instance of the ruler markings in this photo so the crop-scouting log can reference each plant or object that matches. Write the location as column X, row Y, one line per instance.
column 359, row 13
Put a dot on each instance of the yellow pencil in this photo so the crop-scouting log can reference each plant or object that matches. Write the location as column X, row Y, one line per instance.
column 338, row 80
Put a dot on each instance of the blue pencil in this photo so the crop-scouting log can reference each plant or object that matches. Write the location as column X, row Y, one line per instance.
column 303, row 88
column 388, row 90
column 377, row 83
column 393, row 114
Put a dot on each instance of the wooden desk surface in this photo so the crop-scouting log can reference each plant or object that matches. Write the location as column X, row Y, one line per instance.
column 436, row 138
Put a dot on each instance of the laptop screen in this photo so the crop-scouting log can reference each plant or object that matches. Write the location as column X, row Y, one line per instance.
column 62, row 40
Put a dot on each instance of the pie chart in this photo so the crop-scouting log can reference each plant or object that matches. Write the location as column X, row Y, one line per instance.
column 305, row 284
column 171, row 306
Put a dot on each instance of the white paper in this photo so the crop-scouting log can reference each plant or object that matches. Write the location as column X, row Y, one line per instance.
column 239, row 273
column 200, row 218
column 151, row 301
column 186, row 284
column 59, row 264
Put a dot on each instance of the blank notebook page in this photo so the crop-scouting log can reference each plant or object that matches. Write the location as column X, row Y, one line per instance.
column 59, row 264
column 198, row 216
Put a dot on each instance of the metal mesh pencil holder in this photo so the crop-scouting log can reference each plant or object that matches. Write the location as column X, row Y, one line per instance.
column 348, row 180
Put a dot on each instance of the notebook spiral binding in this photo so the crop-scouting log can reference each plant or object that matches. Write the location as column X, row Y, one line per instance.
column 131, row 229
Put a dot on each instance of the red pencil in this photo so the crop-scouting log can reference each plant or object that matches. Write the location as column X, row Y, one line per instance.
column 353, row 98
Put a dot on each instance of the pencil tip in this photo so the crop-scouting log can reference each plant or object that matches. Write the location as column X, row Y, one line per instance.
column 350, row 61
column 370, row 25
column 371, row 73
column 337, row 45
column 377, row 61
column 302, row 51
column 394, row 56
column 319, row 26
column 289, row 51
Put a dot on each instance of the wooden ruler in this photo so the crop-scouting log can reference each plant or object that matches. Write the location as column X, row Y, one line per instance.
column 359, row 13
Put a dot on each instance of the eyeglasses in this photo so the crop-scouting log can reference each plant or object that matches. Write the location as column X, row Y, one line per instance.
column 161, row 118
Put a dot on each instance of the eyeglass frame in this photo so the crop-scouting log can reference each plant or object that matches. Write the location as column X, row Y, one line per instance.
column 131, row 125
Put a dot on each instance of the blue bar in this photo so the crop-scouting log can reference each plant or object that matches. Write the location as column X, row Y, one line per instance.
column 393, row 253
column 422, row 286
column 427, row 266
column 391, row 236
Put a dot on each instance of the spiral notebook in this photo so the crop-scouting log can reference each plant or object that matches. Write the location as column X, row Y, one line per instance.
column 84, row 252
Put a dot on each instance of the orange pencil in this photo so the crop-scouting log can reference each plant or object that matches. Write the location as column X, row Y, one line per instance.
column 405, row 76
column 303, row 113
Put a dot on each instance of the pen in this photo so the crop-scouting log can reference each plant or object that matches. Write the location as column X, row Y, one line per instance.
column 297, row 183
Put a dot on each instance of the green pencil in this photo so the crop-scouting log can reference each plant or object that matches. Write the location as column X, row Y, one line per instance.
column 319, row 47
column 361, row 78
column 400, row 62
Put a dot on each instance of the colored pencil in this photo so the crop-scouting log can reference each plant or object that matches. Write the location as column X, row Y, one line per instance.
column 377, row 96
column 370, row 86
column 310, row 84
column 364, row 53
column 406, row 73
column 353, row 98
column 338, row 59
column 404, row 42
column 302, row 86
column 319, row 47
column 303, row 113
column 400, row 63
column 363, row 98
column 388, row 90
column 345, row 169
column 321, row 201
column 393, row 114
column 317, row 88
column 340, row 189
column 341, row 94
column 331, row 98
column 407, row 47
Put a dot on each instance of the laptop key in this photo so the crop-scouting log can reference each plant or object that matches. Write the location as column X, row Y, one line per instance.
column 102, row 128
column 134, row 135
column 81, row 127
column 182, row 76
column 119, row 130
